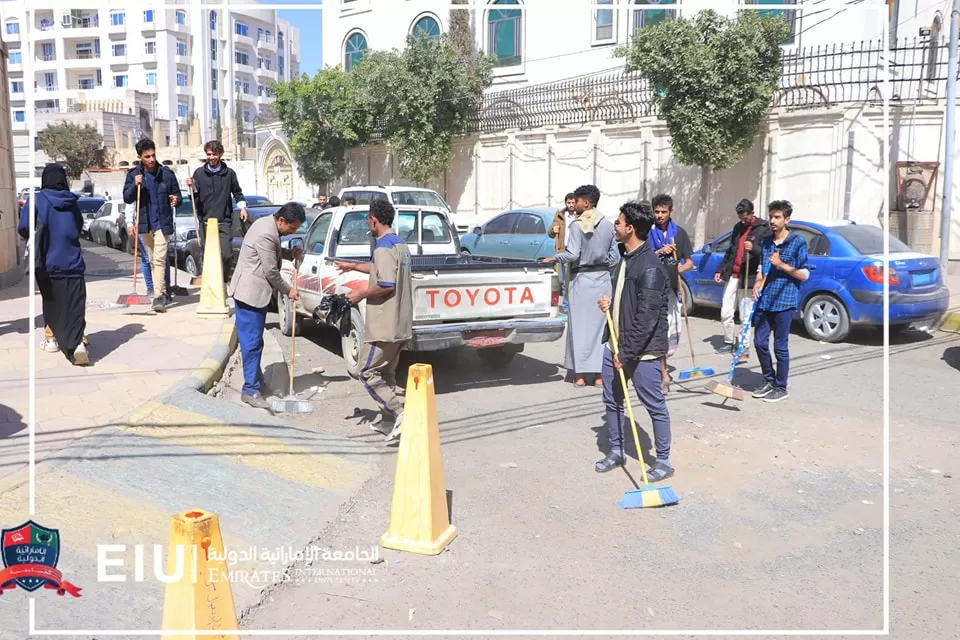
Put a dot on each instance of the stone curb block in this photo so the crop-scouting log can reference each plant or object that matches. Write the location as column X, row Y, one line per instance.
column 211, row 369
column 950, row 321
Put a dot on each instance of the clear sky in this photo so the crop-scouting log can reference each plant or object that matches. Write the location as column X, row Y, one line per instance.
column 308, row 21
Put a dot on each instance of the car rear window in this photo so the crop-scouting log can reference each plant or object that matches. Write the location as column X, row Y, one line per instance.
column 869, row 240
column 89, row 206
column 418, row 198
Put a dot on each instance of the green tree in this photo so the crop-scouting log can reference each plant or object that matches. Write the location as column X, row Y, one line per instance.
column 423, row 97
column 461, row 31
column 218, row 127
column 322, row 119
column 713, row 79
column 76, row 147
column 238, row 118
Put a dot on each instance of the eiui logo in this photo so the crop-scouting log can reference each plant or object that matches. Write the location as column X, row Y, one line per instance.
column 30, row 555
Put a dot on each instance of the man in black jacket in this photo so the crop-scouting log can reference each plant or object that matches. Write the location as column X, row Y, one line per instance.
column 159, row 195
column 742, row 257
column 639, row 312
column 215, row 186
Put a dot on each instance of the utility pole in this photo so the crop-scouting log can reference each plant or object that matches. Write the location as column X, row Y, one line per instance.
column 951, row 126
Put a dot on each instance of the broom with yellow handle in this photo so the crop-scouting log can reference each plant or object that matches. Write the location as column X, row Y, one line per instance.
column 647, row 495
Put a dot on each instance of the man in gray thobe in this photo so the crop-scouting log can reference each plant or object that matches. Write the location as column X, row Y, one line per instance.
column 592, row 253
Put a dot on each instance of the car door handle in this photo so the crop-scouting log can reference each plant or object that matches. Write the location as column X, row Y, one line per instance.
column 811, row 267
column 505, row 242
column 313, row 269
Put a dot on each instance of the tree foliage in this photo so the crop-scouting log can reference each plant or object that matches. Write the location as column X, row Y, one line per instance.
column 422, row 97
column 714, row 78
column 322, row 120
column 461, row 31
column 76, row 147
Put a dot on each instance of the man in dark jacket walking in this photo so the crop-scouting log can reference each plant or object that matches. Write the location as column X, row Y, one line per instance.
column 215, row 186
column 159, row 195
column 741, row 260
column 639, row 312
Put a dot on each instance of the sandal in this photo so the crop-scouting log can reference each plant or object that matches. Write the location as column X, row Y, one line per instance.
column 579, row 382
column 598, row 382
column 658, row 471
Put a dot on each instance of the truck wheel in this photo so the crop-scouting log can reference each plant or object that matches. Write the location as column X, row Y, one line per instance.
column 497, row 357
column 351, row 342
column 287, row 316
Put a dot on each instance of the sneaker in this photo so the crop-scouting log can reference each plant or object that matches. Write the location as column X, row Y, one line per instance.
column 149, row 293
column 159, row 306
column 393, row 438
column 80, row 356
column 777, row 395
column 382, row 426
column 50, row 346
column 255, row 400
column 763, row 391
column 727, row 347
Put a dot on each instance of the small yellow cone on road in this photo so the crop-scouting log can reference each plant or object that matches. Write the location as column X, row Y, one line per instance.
column 419, row 519
column 201, row 599
column 213, row 303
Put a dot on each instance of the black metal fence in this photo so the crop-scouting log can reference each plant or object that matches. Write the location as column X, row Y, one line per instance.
column 812, row 77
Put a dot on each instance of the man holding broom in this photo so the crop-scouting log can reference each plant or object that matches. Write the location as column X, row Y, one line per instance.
column 157, row 192
column 639, row 312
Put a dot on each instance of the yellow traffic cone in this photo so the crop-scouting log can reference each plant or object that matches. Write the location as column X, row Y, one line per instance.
column 213, row 294
column 201, row 599
column 419, row 520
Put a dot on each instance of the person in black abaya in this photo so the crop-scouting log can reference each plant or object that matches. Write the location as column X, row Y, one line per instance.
column 59, row 261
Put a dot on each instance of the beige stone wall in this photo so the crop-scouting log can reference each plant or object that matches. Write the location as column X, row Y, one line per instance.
column 11, row 269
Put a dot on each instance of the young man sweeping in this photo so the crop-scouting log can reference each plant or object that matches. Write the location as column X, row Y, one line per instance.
column 672, row 244
column 388, row 319
column 785, row 255
column 641, row 296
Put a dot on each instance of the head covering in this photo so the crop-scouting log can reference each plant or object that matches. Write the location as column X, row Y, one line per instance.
column 54, row 177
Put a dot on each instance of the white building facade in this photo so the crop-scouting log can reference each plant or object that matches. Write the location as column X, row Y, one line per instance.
column 197, row 62
column 538, row 41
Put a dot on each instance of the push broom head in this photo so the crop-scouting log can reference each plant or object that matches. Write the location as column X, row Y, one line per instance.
column 726, row 390
column 648, row 496
column 132, row 299
column 696, row 372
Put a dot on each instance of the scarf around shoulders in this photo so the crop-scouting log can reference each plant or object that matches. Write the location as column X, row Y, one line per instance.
column 589, row 220
column 659, row 239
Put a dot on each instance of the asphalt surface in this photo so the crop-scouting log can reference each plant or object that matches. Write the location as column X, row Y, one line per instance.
column 780, row 524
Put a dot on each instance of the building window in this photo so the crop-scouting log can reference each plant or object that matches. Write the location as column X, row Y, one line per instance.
column 181, row 48
column 16, row 86
column 246, row 115
column 20, row 116
column 48, row 53
column 150, row 47
column 426, row 27
column 241, row 58
column 14, row 57
column 181, row 17
column 117, row 18
column 214, row 108
column 240, row 29
column 354, row 49
column 505, row 34
column 643, row 19
column 151, row 79
column 13, row 28
column 246, row 88
column 213, row 82
column 50, row 80
column 119, row 82
column 119, row 50
column 148, row 16
column 604, row 30
column 789, row 15
column 183, row 110
column 181, row 79
column 213, row 21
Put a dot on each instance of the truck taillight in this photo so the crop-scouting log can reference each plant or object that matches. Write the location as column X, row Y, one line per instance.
column 875, row 273
column 555, row 299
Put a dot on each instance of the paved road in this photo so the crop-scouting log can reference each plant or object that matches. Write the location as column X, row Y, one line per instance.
column 780, row 523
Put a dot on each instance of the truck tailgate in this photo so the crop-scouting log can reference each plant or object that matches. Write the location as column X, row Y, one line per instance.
column 486, row 294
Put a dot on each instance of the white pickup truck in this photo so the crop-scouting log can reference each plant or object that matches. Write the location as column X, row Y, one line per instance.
column 495, row 305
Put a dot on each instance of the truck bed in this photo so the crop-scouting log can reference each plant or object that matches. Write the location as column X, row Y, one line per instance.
column 462, row 262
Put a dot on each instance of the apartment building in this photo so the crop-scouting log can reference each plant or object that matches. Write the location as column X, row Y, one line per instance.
column 197, row 62
column 536, row 41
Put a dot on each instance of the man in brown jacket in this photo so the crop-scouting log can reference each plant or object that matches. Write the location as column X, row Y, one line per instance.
column 558, row 230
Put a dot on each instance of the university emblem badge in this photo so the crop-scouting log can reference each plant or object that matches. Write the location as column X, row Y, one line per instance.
column 30, row 555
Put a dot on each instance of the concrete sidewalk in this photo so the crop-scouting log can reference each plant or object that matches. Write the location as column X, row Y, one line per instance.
column 128, row 442
column 951, row 319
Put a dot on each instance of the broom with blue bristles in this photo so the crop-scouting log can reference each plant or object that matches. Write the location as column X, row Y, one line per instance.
column 695, row 371
column 647, row 495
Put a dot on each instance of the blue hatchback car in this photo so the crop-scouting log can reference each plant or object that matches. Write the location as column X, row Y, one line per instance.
column 845, row 287
column 518, row 233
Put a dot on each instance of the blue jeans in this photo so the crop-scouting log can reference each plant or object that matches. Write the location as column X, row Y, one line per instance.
column 778, row 322
column 646, row 380
column 146, row 270
column 250, row 325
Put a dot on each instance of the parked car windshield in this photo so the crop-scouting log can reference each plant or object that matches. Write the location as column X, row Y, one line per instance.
column 257, row 201
column 869, row 240
column 419, row 198
column 311, row 216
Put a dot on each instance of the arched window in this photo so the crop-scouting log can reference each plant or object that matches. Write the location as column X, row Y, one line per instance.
column 505, row 34
column 353, row 49
column 643, row 19
column 933, row 47
column 427, row 26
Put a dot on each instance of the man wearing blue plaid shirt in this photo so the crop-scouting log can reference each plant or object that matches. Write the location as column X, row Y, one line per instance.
column 784, row 261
